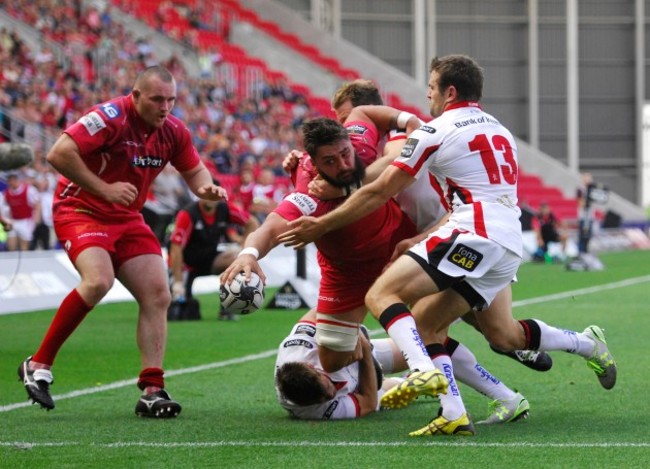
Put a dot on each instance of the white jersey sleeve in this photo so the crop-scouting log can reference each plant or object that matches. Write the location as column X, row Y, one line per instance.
column 300, row 346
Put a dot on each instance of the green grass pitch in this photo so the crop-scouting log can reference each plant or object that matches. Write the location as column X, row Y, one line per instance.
column 222, row 373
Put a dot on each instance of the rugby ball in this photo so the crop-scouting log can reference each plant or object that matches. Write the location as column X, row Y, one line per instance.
column 240, row 297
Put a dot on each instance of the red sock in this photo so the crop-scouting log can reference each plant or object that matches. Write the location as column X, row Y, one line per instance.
column 71, row 312
column 151, row 377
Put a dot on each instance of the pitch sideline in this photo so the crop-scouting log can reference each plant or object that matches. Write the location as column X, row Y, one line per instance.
column 269, row 353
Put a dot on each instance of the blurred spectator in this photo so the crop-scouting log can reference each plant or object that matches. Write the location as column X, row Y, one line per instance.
column 22, row 208
column 244, row 193
column 548, row 229
column 44, row 230
column 166, row 195
column 265, row 195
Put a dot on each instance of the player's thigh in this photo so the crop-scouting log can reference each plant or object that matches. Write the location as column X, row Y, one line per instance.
column 149, row 289
column 435, row 313
column 403, row 281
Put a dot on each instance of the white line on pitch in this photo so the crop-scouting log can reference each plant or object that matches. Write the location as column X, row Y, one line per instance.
column 269, row 353
column 248, row 444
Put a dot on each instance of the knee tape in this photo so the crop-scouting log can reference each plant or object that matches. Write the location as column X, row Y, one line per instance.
column 336, row 335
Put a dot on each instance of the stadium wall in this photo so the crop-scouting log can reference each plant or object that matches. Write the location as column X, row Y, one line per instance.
column 37, row 280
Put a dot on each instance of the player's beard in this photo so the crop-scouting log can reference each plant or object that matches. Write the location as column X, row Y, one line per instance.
column 356, row 175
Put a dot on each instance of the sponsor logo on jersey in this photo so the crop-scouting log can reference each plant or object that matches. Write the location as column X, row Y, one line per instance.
column 305, row 203
column 147, row 161
column 409, row 146
column 429, row 129
column 357, row 129
column 92, row 122
column 297, row 343
column 306, row 329
column 465, row 258
column 330, row 410
column 110, row 110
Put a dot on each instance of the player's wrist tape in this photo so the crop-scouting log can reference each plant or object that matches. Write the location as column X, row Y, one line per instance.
column 349, row 189
column 252, row 251
column 403, row 118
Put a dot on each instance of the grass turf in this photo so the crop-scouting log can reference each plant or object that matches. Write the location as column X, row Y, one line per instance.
column 230, row 417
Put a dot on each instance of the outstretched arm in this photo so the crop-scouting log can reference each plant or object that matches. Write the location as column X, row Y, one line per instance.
column 258, row 244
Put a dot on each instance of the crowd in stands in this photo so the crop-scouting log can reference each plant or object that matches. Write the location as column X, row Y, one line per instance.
column 86, row 58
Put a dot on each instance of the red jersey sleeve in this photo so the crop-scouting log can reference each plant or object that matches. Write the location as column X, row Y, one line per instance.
column 365, row 139
column 186, row 156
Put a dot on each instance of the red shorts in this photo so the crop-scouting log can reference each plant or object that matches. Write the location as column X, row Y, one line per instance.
column 124, row 239
column 342, row 290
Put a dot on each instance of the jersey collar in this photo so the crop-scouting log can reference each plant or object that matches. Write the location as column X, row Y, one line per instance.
column 460, row 104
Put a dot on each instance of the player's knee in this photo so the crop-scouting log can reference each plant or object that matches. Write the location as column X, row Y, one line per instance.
column 95, row 288
column 373, row 302
column 160, row 298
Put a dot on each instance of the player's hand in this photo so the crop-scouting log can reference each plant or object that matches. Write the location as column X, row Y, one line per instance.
column 6, row 225
column 319, row 187
column 303, row 231
column 212, row 192
column 401, row 247
column 122, row 193
column 244, row 263
column 291, row 161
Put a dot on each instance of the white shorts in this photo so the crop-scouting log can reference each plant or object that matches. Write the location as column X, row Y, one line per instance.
column 23, row 229
column 458, row 259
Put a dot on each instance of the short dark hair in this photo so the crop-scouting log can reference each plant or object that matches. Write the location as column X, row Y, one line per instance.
column 322, row 131
column 359, row 92
column 157, row 71
column 300, row 383
column 461, row 71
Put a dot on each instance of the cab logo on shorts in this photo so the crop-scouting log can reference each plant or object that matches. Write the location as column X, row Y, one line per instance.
column 465, row 258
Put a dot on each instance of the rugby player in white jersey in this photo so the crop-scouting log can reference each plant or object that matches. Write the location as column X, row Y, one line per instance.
column 469, row 259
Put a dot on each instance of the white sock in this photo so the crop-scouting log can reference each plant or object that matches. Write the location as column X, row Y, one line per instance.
column 468, row 371
column 405, row 335
column 452, row 404
column 553, row 338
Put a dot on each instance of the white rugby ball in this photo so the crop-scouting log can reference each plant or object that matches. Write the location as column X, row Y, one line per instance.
column 240, row 297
